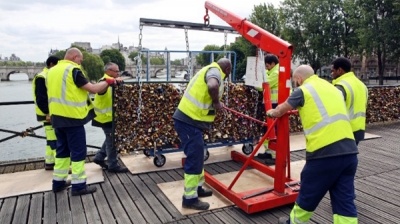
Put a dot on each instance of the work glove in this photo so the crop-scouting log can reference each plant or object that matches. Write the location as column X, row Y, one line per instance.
column 111, row 81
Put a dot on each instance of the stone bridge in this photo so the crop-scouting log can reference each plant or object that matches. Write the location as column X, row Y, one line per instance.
column 153, row 71
column 31, row 71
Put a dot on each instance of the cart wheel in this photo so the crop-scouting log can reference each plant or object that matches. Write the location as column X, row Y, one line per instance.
column 247, row 148
column 206, row 155
column 146, row 152
column 159, row 160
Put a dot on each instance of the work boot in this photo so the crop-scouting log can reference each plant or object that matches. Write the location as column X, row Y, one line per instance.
column 118, row 169
column 87, row 190
column 101, row 163
column 66, row 185
column 284, row 220
column 49, row 166
column 264, row 155
column 269, row 162
column 198, row 205
column 202, row 192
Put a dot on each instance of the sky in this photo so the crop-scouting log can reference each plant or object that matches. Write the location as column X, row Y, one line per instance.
column 30, row 29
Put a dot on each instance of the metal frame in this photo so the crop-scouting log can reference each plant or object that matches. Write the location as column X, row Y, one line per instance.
column 281, row 193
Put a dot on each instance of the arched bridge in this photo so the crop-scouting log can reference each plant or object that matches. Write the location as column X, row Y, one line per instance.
column 31, row 71
column 153, row 71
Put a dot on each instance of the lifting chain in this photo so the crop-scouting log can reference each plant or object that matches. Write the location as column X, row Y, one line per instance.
column 189, row 55
column 206, row 18
column 225, row 43
column 139, row 72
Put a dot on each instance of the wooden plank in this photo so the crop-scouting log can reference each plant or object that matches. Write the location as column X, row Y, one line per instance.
column 63, row 211
column 9, row 169
column 174, row 174
column 238, row 215
column 151, row 199
column 35, row 210
column 126, row 201
column 90, row 208
column 136, row 196
column 212, row 218
column 29, row 166
column 198, row 219
column 165, row 177
column 21, row 211
column 225, row 218
column 2, row 168
column 114, row 201
column 7, row 210
column 102, row 205
column 19, row 168
column 77, row 209
column 159, row 195
column 50, row 214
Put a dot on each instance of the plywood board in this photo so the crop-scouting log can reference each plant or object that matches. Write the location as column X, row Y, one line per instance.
column 249, row 180
column 33, row 181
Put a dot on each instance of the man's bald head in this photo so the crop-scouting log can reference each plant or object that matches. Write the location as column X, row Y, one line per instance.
column 74, row 54
column 302, row 73
column 226, row 65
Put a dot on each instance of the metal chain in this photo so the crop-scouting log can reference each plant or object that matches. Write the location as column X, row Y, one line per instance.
column 188, row 54
column 225, row 43
column 139, row 72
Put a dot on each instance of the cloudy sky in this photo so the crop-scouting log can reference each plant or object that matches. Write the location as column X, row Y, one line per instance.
column 30, row 29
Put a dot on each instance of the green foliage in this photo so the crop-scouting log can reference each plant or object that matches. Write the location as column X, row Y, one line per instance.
column 133, row 55
column 60, row 54
column 243, row 49
column 157, row 61
column 113, row 55
column 93, row 66
column 266, row 17
column 176, row 62
column 204, row 59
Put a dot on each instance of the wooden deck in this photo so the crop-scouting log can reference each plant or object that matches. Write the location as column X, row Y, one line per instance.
column 127, row 198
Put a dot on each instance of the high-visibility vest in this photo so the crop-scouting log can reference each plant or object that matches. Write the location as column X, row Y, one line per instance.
column 103, row 104
column 65, row 98
column 356, row 99
column 196, row 102
column 273, row 77
column 324, row 114
column 39, row 113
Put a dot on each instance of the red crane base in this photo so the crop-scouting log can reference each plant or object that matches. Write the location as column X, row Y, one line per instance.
column 258, row 199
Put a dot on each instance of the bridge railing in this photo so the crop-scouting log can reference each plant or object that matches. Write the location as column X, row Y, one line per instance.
column 167, row 55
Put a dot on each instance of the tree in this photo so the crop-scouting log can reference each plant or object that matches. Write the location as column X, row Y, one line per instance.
column 113, row 55
column 377, row 31
column 205, row 58
column 176, row 62
column 267, row 17
column 93, row 66
column 133, row 55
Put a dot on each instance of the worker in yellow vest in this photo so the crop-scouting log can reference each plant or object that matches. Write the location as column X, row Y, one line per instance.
column 354, row 92
column 103, row 108
column 272, row 77
column 70, row 109
column 42, row 111
column 196, row 112
column 331, row 151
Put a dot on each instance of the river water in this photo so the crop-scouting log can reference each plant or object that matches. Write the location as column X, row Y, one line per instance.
column 20, row 117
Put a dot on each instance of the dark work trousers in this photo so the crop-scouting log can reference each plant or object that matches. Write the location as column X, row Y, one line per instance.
column 71, row 142
column 333, row 174
column 192, row 144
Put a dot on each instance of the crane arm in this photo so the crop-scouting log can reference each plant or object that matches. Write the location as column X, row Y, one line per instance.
column 253, row 33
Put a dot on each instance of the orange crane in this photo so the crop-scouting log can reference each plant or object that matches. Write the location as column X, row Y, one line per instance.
column 285, row 189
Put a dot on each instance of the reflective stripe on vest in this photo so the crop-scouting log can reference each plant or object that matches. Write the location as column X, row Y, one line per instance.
column 196, row 101
column 39, row 113
column 103, row 104
column 352, row 115
column 63, row 99
column 326, row 119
